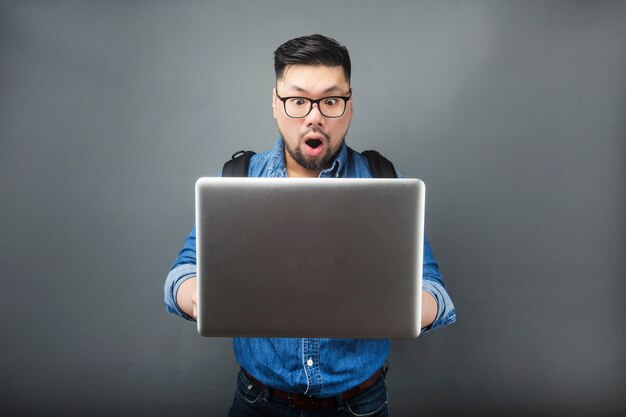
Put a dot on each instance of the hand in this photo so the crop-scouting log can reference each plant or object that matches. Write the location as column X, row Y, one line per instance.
column 194, row 303
column 429, row 309
column 187, row 297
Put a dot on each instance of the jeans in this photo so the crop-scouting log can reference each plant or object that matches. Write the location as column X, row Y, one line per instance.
column 251, row 401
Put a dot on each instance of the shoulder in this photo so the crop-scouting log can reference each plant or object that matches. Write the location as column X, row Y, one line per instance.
column 356, row 157
column 372, row 163
column 269, row 163
column 357, row 165
column 262, row 157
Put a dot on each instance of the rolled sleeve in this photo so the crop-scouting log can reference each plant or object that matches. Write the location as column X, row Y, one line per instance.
column 432, row 282
column 174, row 280
column 446, row 312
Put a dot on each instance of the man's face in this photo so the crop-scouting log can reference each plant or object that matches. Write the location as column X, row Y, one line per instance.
column 311, row 142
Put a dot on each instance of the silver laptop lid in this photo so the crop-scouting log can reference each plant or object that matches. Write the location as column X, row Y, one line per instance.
column 290, row 257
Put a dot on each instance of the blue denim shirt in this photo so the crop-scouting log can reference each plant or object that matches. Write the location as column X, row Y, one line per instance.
column 315, row 367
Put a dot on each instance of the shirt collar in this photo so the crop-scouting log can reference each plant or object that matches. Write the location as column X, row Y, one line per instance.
column 276, row 166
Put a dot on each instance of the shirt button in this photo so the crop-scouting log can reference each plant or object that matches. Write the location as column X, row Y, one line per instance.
column 309, row 362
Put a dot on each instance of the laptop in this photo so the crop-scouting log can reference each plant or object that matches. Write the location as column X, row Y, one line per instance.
column 309, row 257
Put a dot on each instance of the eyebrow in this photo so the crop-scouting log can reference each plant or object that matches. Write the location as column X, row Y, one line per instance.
column 331, row 89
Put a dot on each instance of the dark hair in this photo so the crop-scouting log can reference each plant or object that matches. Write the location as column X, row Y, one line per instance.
column 312, row 50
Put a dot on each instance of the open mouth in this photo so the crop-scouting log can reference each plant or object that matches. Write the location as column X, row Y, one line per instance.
column 314, row 143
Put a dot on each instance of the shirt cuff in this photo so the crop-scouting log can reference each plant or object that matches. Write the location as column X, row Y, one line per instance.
column 446, row 312
column 174, row 280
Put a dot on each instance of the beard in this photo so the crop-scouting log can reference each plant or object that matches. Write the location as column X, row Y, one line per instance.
column 318, row 163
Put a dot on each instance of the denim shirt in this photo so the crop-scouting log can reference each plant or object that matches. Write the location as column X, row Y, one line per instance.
column 314, row 367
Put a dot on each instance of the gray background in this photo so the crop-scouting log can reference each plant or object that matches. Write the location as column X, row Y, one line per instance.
column 512, row 112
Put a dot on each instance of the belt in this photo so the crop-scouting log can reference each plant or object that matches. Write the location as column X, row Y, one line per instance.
column 302, row 402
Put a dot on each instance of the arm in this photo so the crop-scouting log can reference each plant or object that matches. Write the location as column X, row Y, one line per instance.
column 184, row 270
column 437, row 307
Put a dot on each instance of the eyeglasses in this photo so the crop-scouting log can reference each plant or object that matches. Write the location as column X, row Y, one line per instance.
column 299, row 107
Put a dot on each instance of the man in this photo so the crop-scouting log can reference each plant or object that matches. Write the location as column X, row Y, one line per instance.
column 312, row 105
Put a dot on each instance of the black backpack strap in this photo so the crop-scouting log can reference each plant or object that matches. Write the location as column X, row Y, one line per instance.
column 380, row 166
column 238, row 165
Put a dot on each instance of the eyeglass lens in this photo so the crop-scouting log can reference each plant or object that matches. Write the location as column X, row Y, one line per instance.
column 301, row 106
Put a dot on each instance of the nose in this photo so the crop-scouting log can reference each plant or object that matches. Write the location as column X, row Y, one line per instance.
column 315, row 117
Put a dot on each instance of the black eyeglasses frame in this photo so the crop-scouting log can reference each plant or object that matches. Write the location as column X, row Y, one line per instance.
column 310, row 100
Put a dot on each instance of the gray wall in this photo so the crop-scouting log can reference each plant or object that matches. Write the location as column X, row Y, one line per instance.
column 513, row 112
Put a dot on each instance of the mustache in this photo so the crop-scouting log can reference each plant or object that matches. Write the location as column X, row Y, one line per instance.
column 314, row 130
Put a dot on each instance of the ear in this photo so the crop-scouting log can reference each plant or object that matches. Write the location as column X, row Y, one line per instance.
column 274, row 99
column 350, row 102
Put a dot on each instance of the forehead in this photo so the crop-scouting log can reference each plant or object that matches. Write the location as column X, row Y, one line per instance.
column 313, row 79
